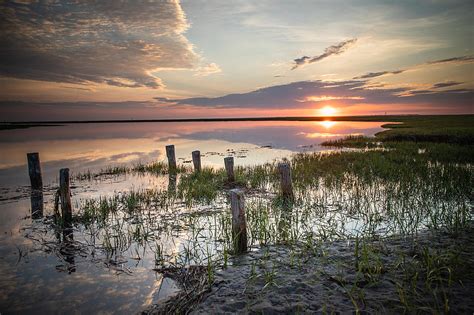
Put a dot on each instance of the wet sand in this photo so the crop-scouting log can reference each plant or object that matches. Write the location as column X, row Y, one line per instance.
column 278, row 279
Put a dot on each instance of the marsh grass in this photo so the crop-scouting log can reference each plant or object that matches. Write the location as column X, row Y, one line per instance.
column 340, row 195
column 446, row 129
column 432, row 129
column 158, row 168
column 428, row 275
column 401, row 188
column 201, row 186
column 153, row 168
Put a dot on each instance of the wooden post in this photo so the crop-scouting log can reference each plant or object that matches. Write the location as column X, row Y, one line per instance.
column 239, row 223
column 284, row 224
column 34, row 170
column 197, row 160
column 57, row 194
column 37, row 204
column 67, row 249
column 171, row 158
column 229, row 167
column 65, row 196
column 285, row 181
column 172, row 184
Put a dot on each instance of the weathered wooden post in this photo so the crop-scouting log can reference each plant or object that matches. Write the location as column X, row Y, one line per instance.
column 286, row 184
column 171, row 158
column 37, row 204
column 284, row 224
column 239, row 223
column 172, row 184
column 57, row 194
column 34, row 170
column 197, row 160
column 229, row 168
column 65, row 196
column 67, row 249
column 36, row 180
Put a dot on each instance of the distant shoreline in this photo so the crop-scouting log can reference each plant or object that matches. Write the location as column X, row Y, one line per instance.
column 373, row 118
column 283, row 118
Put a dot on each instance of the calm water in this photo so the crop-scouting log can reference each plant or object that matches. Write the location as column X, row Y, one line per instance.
column 36, row 277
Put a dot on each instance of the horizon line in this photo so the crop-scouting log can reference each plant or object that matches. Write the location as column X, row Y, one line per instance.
column 273, row 118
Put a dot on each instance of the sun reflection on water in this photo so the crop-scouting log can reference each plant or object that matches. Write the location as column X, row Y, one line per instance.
column 328, row 124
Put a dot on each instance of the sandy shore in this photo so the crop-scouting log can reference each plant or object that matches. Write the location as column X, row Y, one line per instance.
column 323, row 279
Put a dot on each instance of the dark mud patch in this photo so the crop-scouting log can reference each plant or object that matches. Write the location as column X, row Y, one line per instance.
column 430, row 273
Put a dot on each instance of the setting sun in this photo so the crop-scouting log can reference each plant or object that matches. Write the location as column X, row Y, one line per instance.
column 327, row 111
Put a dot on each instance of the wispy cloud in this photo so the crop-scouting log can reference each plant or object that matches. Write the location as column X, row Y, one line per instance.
column 445, row 84
column 208, row 69
column 461, row 60
column 329, row 51
column 118, row 43
column 378, row 74
column 322, row 98
column 453, row 60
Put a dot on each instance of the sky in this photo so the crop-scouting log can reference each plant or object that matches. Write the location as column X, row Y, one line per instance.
column 81, row 60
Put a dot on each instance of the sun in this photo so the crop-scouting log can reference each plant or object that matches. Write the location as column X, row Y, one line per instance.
column 327, row 111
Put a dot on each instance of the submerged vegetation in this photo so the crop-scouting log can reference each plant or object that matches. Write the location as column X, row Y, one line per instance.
column 415, row 178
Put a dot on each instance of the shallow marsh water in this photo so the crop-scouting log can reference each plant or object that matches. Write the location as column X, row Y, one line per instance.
column 39, row 274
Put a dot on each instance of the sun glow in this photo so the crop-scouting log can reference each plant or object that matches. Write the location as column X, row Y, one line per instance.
column 327, row 124
column 327, row 111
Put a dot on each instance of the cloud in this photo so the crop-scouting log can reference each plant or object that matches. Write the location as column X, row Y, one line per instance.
column 460, row 60
column 308, row 94
column 323, row 98
column 378, row 74
column 329, row 51
column 463, row 92
column 163, row 99
column 206, row 70
column 119, row 43
column 453, row 60
column 419, row 92
column 293, row 96
column 445, row 84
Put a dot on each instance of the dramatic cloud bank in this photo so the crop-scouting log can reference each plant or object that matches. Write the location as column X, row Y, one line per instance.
column 295, row 97
column 329, row 51
column 308, row 94
column 119, row 43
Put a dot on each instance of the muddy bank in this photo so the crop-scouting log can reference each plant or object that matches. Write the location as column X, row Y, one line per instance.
column 432, row 272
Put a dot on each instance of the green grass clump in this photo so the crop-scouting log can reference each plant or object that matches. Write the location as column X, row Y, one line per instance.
column 353, row 141
column 157, row 168
column 202, row 186
column 154, row 168
column 428, row 275
column 256, row 177
column 97, row 211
